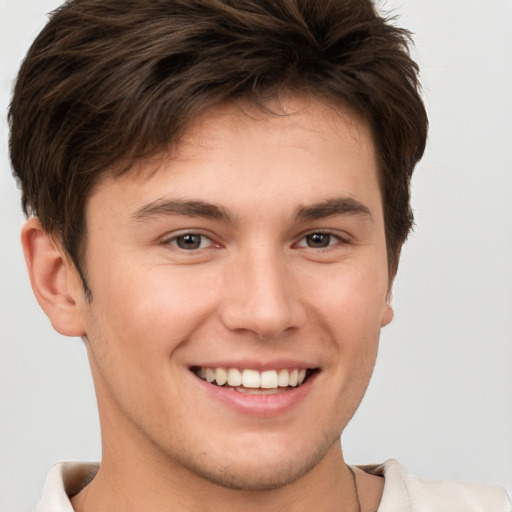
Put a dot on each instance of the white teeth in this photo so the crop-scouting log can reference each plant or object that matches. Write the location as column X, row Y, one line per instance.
column 282, row 378
column 253, row 379
column 269, row 379
column 250, row 379
column 210, row 374
column 221, row 376
column 234, row 377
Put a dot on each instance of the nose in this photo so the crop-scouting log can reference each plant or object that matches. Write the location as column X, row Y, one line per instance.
column 260, row 296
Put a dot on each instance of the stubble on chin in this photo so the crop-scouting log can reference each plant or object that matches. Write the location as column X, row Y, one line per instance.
column 263, row 474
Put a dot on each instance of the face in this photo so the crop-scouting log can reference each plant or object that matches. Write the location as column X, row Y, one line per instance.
column 256, row 254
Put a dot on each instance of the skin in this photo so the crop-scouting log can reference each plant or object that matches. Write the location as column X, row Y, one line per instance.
column 254, row 292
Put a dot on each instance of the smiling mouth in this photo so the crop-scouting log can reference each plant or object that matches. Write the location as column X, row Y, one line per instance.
column 254, row 382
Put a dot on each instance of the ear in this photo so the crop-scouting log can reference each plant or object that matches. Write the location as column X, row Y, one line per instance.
column 388, row 312
column 388, row 315
column 54, row 279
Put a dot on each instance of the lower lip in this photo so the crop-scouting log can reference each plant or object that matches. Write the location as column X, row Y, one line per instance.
column 258, row 405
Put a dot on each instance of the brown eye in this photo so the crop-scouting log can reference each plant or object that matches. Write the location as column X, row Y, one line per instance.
column 190, row 241
column 319, row 240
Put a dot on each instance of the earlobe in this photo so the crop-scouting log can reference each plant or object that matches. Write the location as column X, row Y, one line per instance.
column 53, row 279
column 388, row 315
column 388, row 312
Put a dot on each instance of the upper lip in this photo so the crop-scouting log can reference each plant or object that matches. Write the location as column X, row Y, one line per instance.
column 277, row 364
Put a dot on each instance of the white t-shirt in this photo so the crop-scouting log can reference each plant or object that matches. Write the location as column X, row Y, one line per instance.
column 402, row 492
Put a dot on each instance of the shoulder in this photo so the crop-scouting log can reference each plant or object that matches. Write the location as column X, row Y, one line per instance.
column 404, row 492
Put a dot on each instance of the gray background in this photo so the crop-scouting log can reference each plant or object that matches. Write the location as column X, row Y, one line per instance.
column 441, row 397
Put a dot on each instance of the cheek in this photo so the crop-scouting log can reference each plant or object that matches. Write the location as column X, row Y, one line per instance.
column 352, row 298
column 351, row 309
column 150, row 310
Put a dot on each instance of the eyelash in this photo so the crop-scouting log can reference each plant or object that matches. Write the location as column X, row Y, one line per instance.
column 333, row 240
column 174, row 241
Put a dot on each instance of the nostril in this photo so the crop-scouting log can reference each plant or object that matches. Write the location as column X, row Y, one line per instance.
column 259, row 299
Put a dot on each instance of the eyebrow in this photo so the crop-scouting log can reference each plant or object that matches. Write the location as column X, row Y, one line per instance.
column 198, row 208
column 185, row 207
column 334, row 206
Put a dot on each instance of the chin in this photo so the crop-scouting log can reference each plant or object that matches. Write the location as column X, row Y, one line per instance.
column 256, row 477
column 262, row 472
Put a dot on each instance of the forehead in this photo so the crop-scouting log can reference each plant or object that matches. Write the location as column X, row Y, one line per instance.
column 299, row 120
column 244, row 150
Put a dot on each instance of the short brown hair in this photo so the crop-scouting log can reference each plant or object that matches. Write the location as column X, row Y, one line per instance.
column 109, row 81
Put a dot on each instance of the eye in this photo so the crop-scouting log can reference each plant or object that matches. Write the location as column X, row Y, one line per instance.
column 190, row 241
column 318, row 240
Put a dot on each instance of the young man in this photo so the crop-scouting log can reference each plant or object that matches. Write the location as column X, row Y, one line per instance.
column 219, row 192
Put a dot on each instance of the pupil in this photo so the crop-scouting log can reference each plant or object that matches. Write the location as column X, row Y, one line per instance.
column 318, row 240
column 189, row 242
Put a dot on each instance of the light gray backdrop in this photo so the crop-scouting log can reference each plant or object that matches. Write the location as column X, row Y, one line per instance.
column 441, row 397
